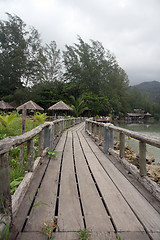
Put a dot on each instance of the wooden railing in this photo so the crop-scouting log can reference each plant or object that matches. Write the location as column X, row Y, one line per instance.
column 105, row 133
column 48, row 136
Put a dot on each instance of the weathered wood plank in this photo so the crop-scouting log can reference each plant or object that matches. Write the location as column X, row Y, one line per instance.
column 95, row 214
column 60, row 145
column 155, row 236
column 65, row 236
column 32, row 236
column 133, row 235
column 47, row 195
column 122, row 215
column 69, row 215
column 74, row 236
column 141, row 207
column 103, row 236
column 5, row 193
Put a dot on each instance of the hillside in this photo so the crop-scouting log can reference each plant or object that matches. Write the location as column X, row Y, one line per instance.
column 151, row 89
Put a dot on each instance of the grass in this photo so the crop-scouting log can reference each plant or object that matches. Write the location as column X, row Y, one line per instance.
column 14, row 128
column 49, row 227
column 83, row 234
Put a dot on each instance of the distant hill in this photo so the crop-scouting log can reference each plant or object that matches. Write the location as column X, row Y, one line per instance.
column 151, row 89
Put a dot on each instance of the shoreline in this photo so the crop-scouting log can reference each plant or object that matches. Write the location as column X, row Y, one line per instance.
column 153, row 169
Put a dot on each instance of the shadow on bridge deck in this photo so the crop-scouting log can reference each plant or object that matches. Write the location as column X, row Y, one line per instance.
column 82, row 188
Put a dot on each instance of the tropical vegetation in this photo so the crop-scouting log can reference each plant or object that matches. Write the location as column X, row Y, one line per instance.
column 31, row 70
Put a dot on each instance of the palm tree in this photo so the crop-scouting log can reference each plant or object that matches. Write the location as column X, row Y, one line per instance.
column 78, row 105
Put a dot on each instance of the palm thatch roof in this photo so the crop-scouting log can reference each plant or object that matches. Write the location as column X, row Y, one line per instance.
column 60, row 106
column 30, row 105
column 5, row 105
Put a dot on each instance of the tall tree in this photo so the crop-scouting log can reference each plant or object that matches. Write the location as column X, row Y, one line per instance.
column 51, row 64
column 13, row 50
column 23, row 60
column 95, row 71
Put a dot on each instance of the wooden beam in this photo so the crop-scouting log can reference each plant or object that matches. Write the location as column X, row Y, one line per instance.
column 5, row 194
column 122, row 144
column 142, row 158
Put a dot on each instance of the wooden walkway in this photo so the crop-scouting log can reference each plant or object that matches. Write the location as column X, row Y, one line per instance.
column 83, row 188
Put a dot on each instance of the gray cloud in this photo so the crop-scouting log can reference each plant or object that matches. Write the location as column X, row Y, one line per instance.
column 128, row 28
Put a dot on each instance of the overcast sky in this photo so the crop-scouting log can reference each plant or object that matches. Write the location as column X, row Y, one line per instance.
column 130, row 29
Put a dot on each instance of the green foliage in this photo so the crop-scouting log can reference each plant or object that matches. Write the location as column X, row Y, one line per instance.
column 89, row 71
column 95, row 72
column 78, row 106
column 16, row 171
column 15, row 183
column 83, row 234
column 151, row 90
column 40, row 117
column 5, row 233
column 38, row 204
column 49, row 227
column 52, row 154
column 6, row 120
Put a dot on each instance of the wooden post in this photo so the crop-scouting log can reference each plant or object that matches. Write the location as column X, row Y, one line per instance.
column 51, row 135
column 30, row 155
column 94, row 130
column 86, row 125
column 122, row 144
column 63, row 124
column 40, row 143
column 22, row 131
column 55, row 129
column 91, row 128
column 108, row 138
column 46, row 137
column 142, row 158
column 101, row 130
column 74, row 122
column 5, row 194
column 111, row 142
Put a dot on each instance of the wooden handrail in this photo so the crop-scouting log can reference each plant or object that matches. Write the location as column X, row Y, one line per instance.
column 107, row 136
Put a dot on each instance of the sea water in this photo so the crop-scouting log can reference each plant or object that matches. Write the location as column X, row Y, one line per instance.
column 149, row 129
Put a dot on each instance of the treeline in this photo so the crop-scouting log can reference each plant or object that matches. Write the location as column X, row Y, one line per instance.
column 44, row 74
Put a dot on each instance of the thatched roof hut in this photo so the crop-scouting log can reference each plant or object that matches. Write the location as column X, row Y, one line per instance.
column 5, row 106
column 60, row 106
column 30, row 105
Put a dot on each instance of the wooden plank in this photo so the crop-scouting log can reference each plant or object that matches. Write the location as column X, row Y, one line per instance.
column 47, row 194
column 122, row 215
column 155, row 236
column 65, row 236
column 32, row 236
column 150, row 198
column 22, row 212
column 133, row 235
column 103, row 236
column 95, row 214
column 60, row 145
column 142, row 208
column 74, row 236
column 76, row 127
column 69, row 215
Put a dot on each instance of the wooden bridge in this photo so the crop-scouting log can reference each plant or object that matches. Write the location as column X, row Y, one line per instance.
column 84, row 188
